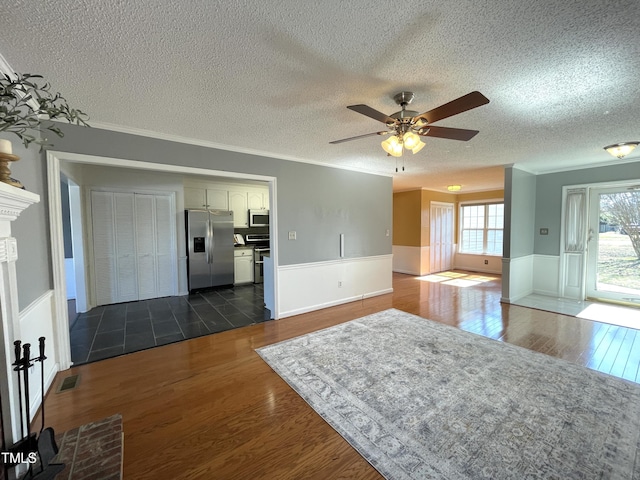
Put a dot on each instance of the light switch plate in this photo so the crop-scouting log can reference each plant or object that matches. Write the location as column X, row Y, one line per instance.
column 292, row 235
column 544, row 231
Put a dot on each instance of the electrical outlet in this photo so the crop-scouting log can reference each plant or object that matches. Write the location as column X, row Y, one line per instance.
column 292, row 235
column 339, row 284
column 486, row 262
column 387, row 233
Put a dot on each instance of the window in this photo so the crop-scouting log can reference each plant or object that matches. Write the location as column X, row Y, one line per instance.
column 481, row 228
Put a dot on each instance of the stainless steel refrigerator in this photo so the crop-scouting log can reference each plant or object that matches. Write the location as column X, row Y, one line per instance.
column 209, row 248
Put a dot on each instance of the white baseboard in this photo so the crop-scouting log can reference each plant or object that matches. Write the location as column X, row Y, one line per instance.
column 312, row 286
column 37, row 321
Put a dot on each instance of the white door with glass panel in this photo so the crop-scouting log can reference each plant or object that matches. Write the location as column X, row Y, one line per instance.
column 613, row 247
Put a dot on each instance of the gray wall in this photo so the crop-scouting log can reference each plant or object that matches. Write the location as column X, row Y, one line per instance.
column 317, row 202
column 549, row 198
column 31, row 229
column 520, row 197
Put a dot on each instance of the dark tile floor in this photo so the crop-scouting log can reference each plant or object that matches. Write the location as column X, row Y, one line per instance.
column 113, row 330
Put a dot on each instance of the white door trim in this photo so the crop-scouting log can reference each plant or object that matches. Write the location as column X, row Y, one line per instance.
column 61, row 320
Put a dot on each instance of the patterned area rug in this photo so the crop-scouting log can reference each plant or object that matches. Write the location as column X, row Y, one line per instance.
column 423, row 400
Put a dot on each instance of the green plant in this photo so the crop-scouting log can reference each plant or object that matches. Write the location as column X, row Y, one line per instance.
column 27, row 104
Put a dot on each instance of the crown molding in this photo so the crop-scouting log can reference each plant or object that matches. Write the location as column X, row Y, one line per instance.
column 206, row 143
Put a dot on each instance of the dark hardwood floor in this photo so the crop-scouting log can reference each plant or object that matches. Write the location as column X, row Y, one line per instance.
column 211, row 408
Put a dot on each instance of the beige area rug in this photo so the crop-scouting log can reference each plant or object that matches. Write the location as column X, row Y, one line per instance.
column 422, row 400
column 93, row 451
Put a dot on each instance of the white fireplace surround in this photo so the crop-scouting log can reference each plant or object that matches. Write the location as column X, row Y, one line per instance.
column 12, row 202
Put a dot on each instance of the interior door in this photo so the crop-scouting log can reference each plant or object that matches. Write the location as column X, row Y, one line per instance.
column 145, row 246
column 104, row 247
column 441, row 237
column 127, row 278
column 613, row 248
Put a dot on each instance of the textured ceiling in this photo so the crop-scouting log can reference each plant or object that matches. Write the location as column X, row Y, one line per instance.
column 276, row 76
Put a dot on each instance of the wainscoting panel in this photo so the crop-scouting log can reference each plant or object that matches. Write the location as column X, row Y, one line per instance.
column 37, row 321
column 475, row 263
column 517, row 278
column 406, row 259
column 312, row 286
column 546, row 271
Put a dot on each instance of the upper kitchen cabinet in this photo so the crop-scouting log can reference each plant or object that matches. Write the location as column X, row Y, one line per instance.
column 258, row 198
column 238, row 204
column 226, row 196
column 211, row 198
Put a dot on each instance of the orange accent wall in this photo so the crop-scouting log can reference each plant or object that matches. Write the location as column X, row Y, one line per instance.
column 407, row 218
column 412, row 209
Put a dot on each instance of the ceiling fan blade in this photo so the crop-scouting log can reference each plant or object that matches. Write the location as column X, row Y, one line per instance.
column 372, row 113
column 450, row 133
column 384, row 132
column 454, row 107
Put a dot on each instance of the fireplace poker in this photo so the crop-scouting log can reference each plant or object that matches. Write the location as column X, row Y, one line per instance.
column 41, row 359
column 18, row 368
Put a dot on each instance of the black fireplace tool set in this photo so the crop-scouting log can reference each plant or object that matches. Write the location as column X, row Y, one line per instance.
column 32, row 446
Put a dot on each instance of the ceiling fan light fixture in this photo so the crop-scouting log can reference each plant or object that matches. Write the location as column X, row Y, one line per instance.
column 410, row 140
column 393, row 146
column 418, row 147
column 621, row 150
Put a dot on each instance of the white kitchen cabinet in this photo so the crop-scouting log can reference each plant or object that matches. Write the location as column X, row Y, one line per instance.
column 195, row 197
column 243, row 265
column 212, row 198
column 133, row 246
column 238, row 205
column 217, row 199
column 254, row 199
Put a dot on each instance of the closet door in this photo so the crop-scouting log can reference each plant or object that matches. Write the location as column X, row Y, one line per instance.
column 145, row 246
column 127, row 277
column 166, row 283
column 104, row 247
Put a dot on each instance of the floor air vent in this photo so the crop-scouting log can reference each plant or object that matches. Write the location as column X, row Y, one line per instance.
column 68, row 383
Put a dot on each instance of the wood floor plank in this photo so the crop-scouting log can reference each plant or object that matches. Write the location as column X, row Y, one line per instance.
column 211, row 408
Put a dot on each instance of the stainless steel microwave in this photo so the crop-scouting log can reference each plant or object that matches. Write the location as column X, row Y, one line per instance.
column 259, row 218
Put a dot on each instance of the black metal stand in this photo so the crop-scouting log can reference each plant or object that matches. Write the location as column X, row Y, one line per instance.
column 32, row 447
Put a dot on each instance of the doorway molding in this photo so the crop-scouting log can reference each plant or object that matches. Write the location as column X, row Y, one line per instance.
column 60, row 314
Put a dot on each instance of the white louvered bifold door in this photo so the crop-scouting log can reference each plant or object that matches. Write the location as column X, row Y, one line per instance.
column 165, row 249
column 104, row 247
column 127, row 278
column 145, row 243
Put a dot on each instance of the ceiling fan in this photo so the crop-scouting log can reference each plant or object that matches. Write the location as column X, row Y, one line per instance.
column 407, row 126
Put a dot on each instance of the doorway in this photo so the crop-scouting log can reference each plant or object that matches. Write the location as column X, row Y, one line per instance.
column 441, row 237
column 613, row 246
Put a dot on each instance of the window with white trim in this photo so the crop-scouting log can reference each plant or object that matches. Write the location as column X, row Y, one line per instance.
column 481, row 227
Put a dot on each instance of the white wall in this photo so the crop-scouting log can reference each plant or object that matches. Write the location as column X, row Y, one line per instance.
column 307, row 287
column 37, row 321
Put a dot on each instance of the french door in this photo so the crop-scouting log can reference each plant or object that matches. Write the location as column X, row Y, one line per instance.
column 613, row 244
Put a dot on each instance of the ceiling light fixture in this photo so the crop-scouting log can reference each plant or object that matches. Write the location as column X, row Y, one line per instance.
column 454, row 188
column 621, row 150
column 396, row 144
